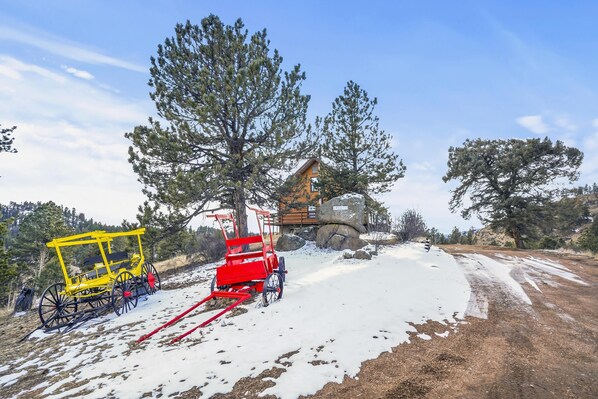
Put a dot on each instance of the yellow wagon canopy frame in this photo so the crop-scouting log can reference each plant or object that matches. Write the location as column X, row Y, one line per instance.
column 95, row 237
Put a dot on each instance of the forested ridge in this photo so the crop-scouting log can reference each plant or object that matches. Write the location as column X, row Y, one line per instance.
column 26, row 228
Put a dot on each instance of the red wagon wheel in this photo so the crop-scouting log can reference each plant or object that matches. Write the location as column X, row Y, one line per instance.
column 124, row 293
column 150, row 279
column 273, row 287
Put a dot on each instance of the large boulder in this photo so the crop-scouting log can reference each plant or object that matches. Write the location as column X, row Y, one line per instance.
column 329, row 230
column 361, row 254
column 308, row 233
column 289, row 242
column 339, row 237
column 347, row 209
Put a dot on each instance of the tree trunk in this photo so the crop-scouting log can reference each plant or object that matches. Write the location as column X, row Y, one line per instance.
column 43, row 255
column 517, row 237
column 241, row 211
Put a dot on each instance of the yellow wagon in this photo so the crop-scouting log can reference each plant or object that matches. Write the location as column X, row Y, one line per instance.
column 107, row 280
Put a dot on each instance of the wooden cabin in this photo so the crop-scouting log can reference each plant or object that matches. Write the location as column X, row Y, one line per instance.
column 290, row 218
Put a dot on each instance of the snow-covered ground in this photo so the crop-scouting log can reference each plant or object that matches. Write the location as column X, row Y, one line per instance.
column 335, row 314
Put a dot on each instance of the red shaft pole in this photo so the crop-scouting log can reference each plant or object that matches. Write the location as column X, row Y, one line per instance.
column 177, row 318
column 205, row 323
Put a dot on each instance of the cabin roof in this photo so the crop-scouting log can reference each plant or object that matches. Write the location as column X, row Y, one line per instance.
column 306, row 166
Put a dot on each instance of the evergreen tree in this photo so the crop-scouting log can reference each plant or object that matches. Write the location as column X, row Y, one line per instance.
column 589, row 238
column 356, row 154
column 7, row 269
column 234, row 121
column 6, row 140
column 455, row 236
column 509, row 181
column 469, row 238
column 30, row 251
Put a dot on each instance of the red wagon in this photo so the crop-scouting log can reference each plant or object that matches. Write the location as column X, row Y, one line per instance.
column 250, row 264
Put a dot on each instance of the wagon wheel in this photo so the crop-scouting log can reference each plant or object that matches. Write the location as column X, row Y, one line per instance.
column 124, row 293
column 213, row 285
column 282, row 268
column 98, row 301
column 150, row 280
column 273, row 287
column 55, row 307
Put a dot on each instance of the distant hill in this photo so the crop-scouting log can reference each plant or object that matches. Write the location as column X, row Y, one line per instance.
column 76, row 220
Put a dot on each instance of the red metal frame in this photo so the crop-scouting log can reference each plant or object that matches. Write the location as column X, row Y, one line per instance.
column 242, row 271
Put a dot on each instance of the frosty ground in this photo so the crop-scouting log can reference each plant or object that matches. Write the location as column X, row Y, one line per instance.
column 466, row 320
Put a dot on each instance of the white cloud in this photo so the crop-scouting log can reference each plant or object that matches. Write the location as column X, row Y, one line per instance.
column 422, row 166
column 533, row 123
column 70, row 142
column 78, row 73
column 427, row 194
column 64, row 48
column 591, row 142
column 565, row 123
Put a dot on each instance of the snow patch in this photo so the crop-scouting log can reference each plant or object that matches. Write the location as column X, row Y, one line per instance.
column 10, row 379
column 336, row 313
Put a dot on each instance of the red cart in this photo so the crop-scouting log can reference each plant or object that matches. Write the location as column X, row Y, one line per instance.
column 250, row 264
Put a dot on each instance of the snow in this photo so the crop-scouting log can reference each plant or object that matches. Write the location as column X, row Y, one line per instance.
column 334, row 311
column 543, row 268
column 10, row 379
column 496, row 272
column 378, row 235
column 335, row 314
column 351, row 196
column 509, row 274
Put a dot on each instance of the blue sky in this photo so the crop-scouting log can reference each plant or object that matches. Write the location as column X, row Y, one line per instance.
column 73, row 78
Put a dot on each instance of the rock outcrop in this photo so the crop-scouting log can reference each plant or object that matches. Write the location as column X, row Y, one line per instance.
column 308, row 233
column 339, row 237
column 289, row 242
column 348, row 209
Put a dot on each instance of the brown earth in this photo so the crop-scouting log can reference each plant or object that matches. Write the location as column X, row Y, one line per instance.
column 546, row 350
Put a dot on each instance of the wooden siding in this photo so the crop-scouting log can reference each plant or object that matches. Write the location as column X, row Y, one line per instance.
column 304, row 215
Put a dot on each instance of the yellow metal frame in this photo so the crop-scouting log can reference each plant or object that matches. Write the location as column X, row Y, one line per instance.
column 83, row 285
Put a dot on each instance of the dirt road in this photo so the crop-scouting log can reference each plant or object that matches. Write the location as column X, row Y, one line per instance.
column 546, row 350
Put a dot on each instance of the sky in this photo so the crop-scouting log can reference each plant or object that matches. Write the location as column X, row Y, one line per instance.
column 73, row 79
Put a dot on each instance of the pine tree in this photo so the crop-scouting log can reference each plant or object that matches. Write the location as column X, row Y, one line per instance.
column 510, row 181
column 7, row 269
column 356, row 154
column 455, row 236
column 589, row 238
column 234, row 121
column 38, row 228
column 5, row 139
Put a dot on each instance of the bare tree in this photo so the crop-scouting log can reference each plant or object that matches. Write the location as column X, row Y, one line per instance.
column 410, row 225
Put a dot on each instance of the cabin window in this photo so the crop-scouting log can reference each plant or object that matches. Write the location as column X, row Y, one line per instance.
column 311, row 212
column 312, row 186
column 314, row 168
